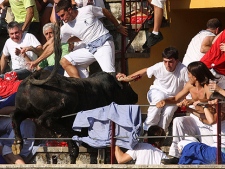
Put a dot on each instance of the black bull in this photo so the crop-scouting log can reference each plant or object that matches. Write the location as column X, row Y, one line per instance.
column 61, row 96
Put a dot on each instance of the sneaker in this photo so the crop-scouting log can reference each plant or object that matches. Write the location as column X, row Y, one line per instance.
column 152, row 40
column 173, row 160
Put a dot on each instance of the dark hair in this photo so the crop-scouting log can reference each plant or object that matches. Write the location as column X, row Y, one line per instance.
column 14, row 24
column 214, row 23
column 63, row 5
column 201, row 72
column 156, row 131
column 169, row 53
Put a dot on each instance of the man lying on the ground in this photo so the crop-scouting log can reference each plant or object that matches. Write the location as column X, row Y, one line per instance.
column 145, row 153
column 8, row 89
column 28, row 130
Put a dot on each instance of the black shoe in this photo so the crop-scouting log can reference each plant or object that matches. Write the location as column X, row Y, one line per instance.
column 152, row 40
column 173, row 160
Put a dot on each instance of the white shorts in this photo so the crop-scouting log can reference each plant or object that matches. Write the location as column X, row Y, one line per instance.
column 158, row 3
column 105, row 56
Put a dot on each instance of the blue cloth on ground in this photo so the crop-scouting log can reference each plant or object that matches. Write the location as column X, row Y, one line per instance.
column 9, row 101
column 127, row 119
column 199, row 153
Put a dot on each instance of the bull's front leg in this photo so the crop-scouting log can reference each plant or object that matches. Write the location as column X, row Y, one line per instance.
column 17, row 146
column 73, row 151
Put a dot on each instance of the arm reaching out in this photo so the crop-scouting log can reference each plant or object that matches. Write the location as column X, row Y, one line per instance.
column 133, row 77
column 120, row 28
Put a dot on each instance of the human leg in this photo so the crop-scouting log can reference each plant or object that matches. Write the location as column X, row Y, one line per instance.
column 5, row 130
column 105, row 56
column 5, row 127
column 156, row 35
column 154, row 113
column 182, row 128
column 158, row 14
column 7, row 110
column 13, row 159
column 75, row 60
column 204, row 129
column 83, row 72
column 22, row 73
column 166, row 116
column 28, row 130
column 60, row 69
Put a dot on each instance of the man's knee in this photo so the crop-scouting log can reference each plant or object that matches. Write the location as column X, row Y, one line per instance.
column 64, row 62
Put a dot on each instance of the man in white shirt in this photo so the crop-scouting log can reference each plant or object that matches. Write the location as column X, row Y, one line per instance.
column 81, row 3
column 14, row 48
column 170, row 78
column 202, row 42
column 83, row 24
column 145, row 153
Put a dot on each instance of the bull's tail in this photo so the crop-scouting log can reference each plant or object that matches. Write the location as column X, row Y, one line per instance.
column 58, row 54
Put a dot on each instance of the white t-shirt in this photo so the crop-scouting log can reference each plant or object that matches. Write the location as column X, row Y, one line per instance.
column 168, row 82
column 146, row 154
column 10, row 47
column 86, row 26
column 81, row 3
column 193, row 51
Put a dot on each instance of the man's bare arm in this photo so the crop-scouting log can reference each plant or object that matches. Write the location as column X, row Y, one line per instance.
column 121, row 157
column 120, row 28
column 4, row 4
column 28, row 19
column 46, row 53
column 199, row 114
column 4, row 60
column 206, row 44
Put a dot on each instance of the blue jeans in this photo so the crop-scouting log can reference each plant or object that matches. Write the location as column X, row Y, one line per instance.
column 21, row 73
column 60, row 70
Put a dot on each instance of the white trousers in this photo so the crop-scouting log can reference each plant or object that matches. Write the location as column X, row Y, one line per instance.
column 82, row 58
column 189, row 126
column 158, row 116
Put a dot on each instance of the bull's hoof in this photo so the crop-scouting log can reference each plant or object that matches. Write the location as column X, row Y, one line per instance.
column 16, row 148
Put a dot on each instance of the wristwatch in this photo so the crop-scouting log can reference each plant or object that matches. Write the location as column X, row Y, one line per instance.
column 205, row 106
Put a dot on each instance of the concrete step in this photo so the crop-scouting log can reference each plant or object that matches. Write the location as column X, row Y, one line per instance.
column 106, row 166
column 60, row 155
